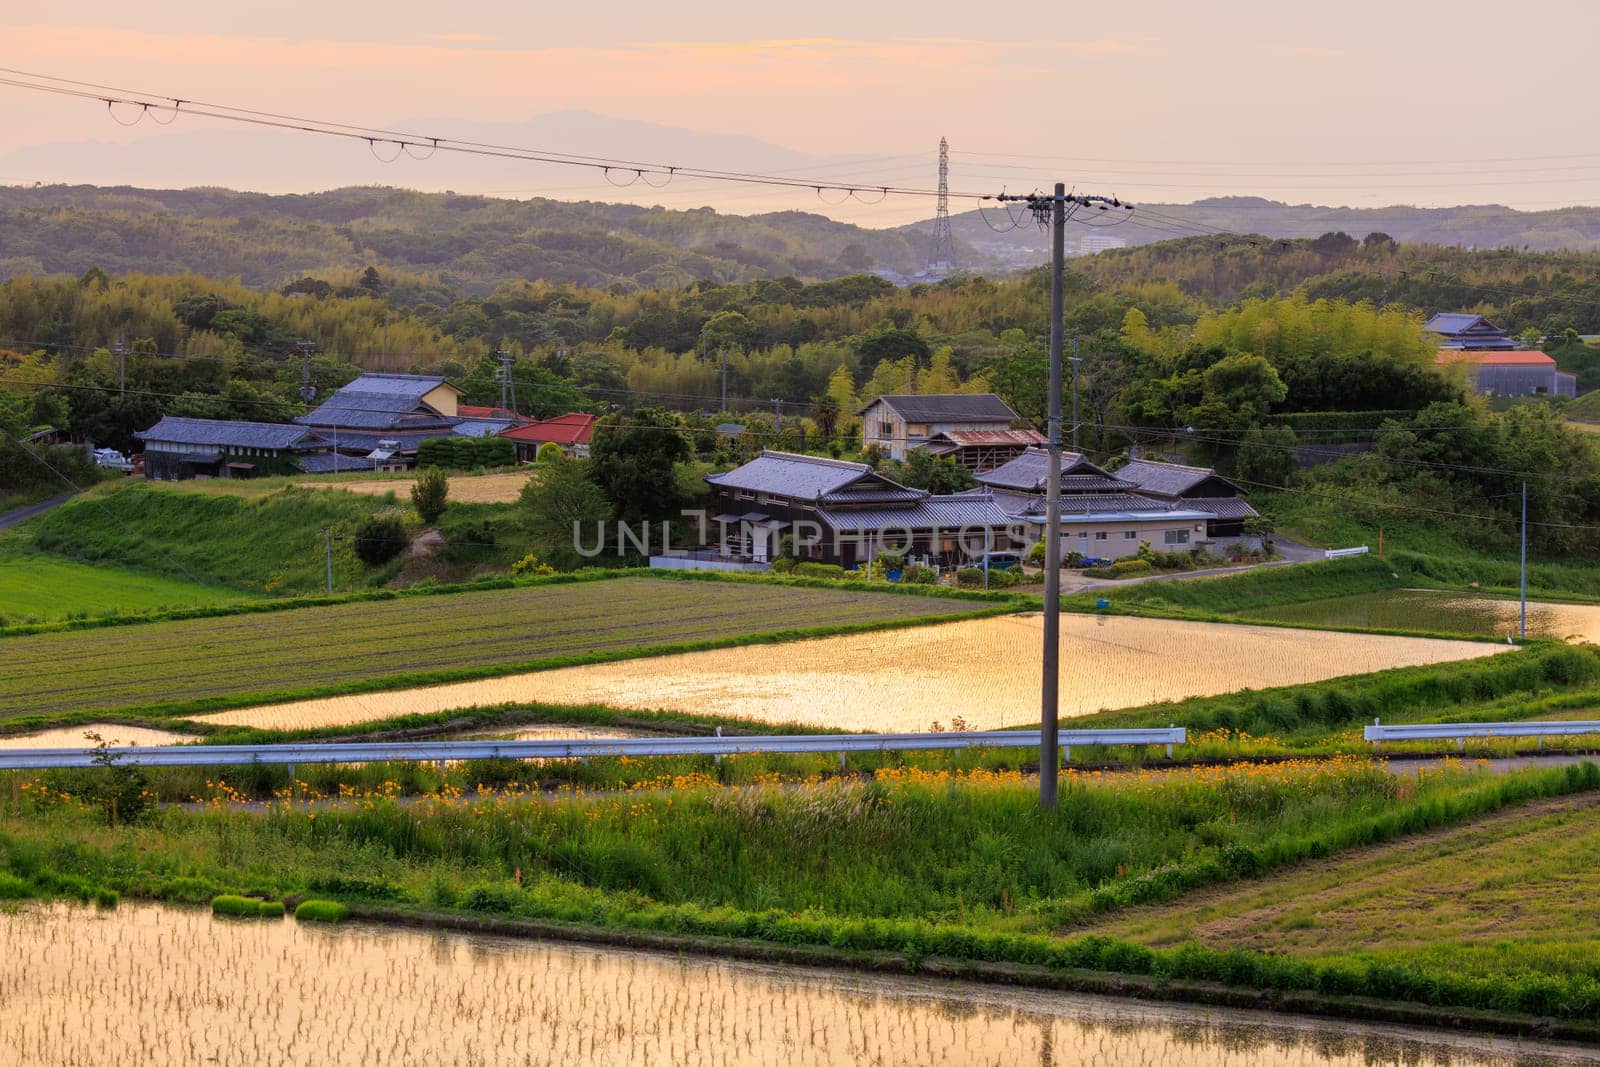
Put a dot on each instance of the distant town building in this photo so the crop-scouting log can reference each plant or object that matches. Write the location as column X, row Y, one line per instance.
column 391, row 414
column 1090, row 243
column 1510, row 372
column 897, row 424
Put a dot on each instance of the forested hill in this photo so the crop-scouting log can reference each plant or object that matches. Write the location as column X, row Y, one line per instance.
column 471, row 242
column 1478, row 226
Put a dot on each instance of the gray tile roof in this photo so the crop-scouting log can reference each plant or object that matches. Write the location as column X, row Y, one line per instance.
column 1223, row 507
column 1448, row 322
column 223, row 433
column 1026, row 472
column 803, row 477
column 377, row 402
column 947, row 407
column 932, row 513
column 1164, row 479
column 367, row 440
column 331, row 463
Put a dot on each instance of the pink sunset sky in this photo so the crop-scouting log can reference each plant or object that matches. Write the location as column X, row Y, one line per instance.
column 1360, row 104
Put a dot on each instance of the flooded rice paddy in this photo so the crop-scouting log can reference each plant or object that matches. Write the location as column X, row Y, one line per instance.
column 144, row 985
column 984, row 672
column 114, row 733
column 1423, row 609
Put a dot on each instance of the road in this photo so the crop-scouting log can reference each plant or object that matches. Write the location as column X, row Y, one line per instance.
column 20, row 515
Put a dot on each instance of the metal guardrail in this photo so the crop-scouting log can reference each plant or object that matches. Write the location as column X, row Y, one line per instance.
column 451, row 751
column 1342, row 553
column 1377, row 733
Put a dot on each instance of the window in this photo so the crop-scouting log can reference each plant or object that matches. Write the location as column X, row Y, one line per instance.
column 1100, row 535
column 1177, row 537
column 917, row 429
column 886, row 429
column 1130, row 535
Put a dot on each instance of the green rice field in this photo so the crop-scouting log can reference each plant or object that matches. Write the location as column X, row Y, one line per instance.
column 39, row 588
column 193, row 664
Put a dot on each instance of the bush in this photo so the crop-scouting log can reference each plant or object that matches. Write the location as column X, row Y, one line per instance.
column 969, row 578
column 321, row 911
column 466, row 453
column 1124, row 567
column 379, row 539
column 428, row 494
column 819, row 570
column 531, row 566
column 917, row 574
column 783, row 564
column 550, row 452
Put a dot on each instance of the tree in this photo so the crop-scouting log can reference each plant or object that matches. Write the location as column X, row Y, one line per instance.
column 936, row 474
column 560, row 501
column 428, row 494
column 825, row 413
column 634, row 458
column 379, row 539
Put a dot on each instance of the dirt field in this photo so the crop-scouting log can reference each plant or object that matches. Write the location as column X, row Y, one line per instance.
column 464, row 489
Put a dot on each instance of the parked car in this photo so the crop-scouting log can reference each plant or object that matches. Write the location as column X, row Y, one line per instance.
column 999, row 561
column 112, row 459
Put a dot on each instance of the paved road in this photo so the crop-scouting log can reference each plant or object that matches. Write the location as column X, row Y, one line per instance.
column 12, row 518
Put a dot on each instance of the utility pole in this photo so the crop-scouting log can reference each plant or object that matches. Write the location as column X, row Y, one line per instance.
column 777, row 414
column 942, row 249
column 508, row 390
column 1076, row 359
column 307, row 390
column 122, row 368
column 1524, row 621
column 723, row 352
column 1054, row 209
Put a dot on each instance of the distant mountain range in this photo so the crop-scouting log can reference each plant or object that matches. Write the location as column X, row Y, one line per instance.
column 475, row 242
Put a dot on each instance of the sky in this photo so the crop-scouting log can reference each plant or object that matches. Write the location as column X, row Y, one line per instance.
column 1363, row 105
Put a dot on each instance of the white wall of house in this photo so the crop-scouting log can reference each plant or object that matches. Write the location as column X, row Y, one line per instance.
column 1117, row 539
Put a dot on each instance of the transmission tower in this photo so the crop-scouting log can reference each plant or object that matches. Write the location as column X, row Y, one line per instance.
column 942, row 252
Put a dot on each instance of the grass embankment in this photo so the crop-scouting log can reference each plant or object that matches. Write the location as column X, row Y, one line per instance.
column 1509, row 893
column 37, row 588
column 261, row 543
column 926, row 866
column 1233, row 593
column 187, row 666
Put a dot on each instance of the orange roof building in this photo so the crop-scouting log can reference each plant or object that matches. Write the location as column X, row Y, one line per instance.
column 1510, row 372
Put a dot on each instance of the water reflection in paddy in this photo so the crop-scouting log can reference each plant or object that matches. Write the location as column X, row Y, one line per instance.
column 1435, row 611
column 147, row 985
column 982, row 671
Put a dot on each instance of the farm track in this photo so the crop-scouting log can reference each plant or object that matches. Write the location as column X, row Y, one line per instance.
column 180, row 661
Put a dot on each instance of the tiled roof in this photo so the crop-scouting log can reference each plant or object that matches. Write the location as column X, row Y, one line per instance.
column 331, row 463
column 792, row 475
column 872, row 492
column 1224, row 507
column 1515, row 357
column 947, row 407
column 1454, row 322
column 573, row 428
column 932, row 513
column 223, row 433
column 1027, row 471
column 367, row 440
column 378, row 402
column 1164, row 479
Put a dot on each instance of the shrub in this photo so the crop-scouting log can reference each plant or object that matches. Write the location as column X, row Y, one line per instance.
column 428, row 494
column 783, row 564
column 819, row 570
column 550, row 452
column 917, row 574
column 1124, row 567
column 321, row 911
column 531, row 566
column 969, row 578
column 1035, row 554
column 379, row 539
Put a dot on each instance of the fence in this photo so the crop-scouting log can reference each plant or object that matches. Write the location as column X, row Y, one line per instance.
column 1341, row 553
column 451, row 751
column 1378, row 733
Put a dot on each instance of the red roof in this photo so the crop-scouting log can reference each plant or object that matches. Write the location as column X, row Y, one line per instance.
column 475, row 411
column 573, row 428
column 1515, row 357
column 982, row 438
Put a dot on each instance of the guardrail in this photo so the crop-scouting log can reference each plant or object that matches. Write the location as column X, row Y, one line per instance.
column 1378, row 733
column 452, row 751
column 1341, row 553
